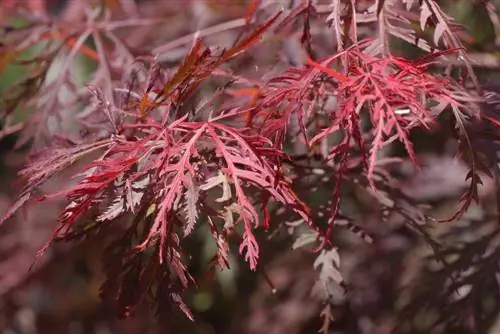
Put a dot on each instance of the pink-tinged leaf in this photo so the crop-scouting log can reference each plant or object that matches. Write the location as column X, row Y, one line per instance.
column 323, row 134
column 161, row 226
column 438, row 32
column 409, row 4
column 425, row 14
column 46, row 167
column 246, row 207
column 250, row 248
column 190, row 206
column 332, row 73
column 221, row 258
column 116, row 208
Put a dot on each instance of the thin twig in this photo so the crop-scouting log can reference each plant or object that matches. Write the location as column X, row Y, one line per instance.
column 135, row 22
column 233, row 24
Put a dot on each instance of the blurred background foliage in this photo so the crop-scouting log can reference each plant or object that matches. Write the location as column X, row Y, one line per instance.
column 61, row 294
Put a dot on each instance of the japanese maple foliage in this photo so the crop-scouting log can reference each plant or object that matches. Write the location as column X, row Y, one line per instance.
column 164, row 163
